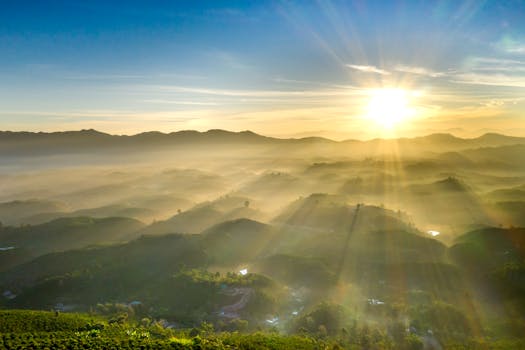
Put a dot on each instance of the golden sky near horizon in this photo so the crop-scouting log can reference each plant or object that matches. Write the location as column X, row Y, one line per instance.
column 338, row 69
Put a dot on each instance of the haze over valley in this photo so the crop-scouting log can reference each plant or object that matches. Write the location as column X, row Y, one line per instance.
column 242, row 230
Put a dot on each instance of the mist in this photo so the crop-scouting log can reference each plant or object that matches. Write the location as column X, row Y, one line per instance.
column 244, row 232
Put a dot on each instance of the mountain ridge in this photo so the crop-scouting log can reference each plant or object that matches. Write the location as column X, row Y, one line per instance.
column 249, row 133
column 88, row 141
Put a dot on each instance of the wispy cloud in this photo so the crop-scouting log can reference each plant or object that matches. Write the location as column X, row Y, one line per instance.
column 132, row 76
column 492, row 71
column 230, row 60
column 313, row 83
column 495, row 64
column 116, row 115
column 368, row 69
column 490, row 79
column 346, row 91
column 183, row 103
column 495, row 61
column 419, row 71
column 511, row 46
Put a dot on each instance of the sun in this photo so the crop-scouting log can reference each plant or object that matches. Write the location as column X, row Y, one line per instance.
column 388, row 107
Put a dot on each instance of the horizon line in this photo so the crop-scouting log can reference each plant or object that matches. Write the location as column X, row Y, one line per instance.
column 258, row 134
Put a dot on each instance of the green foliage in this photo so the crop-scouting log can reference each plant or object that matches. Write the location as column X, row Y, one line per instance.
column 21, row 329
column 298, row 270
column 323, row 319
column 236, row 241
column 45, row 330
column 19, row 321
column 443, row 319
column 200, row 293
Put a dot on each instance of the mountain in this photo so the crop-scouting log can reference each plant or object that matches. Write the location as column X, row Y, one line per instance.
column 27, row 143
column 14, row 144
column 492, row 139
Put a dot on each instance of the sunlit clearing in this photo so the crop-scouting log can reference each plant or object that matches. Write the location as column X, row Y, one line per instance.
column 388, row 107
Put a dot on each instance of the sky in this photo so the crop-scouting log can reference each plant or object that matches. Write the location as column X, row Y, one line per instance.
column 279, row 68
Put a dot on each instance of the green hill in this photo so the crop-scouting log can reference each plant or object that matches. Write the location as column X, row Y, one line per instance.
column 12, row 213
column 237, row 241
column 509, row 213
column 64, row 234
column 319, row 211
column 194, row 220
column 205, row 215
column 297, row 271
column 115, row 210
column 489, row 248
column 449, row 201
column 507, row 194
column 329, row 213
column 114, row 273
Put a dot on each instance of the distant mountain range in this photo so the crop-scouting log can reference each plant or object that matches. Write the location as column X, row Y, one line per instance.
column 87, row 141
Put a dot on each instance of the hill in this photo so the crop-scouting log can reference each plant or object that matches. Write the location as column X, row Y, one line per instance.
column 237, row 241
column 165, row 273
column 449, row 201
column 12, row 212
column 117, row 271
column 493, row 258
column 507, row 194
column 205, row 215
column 488, row 248
column 330, row 213
column 115, row 210
column 30, row 241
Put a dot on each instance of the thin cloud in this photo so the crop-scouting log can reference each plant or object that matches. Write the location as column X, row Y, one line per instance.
column 490, row 64
column 368, row 69
column 250, row 93
column 183, row 103
column 496, row 61
column 490, row 79
column 115, row 115
column 492, row 71
column 419, row 71
column 511, row 46
column 517, row 49
column 130, row 76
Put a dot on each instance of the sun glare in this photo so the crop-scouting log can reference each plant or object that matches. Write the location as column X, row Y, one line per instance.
column 388, row 107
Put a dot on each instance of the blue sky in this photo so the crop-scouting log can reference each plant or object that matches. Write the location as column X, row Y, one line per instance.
column 284, row 68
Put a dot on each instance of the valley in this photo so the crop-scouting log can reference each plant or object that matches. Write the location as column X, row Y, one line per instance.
column 302, row 236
